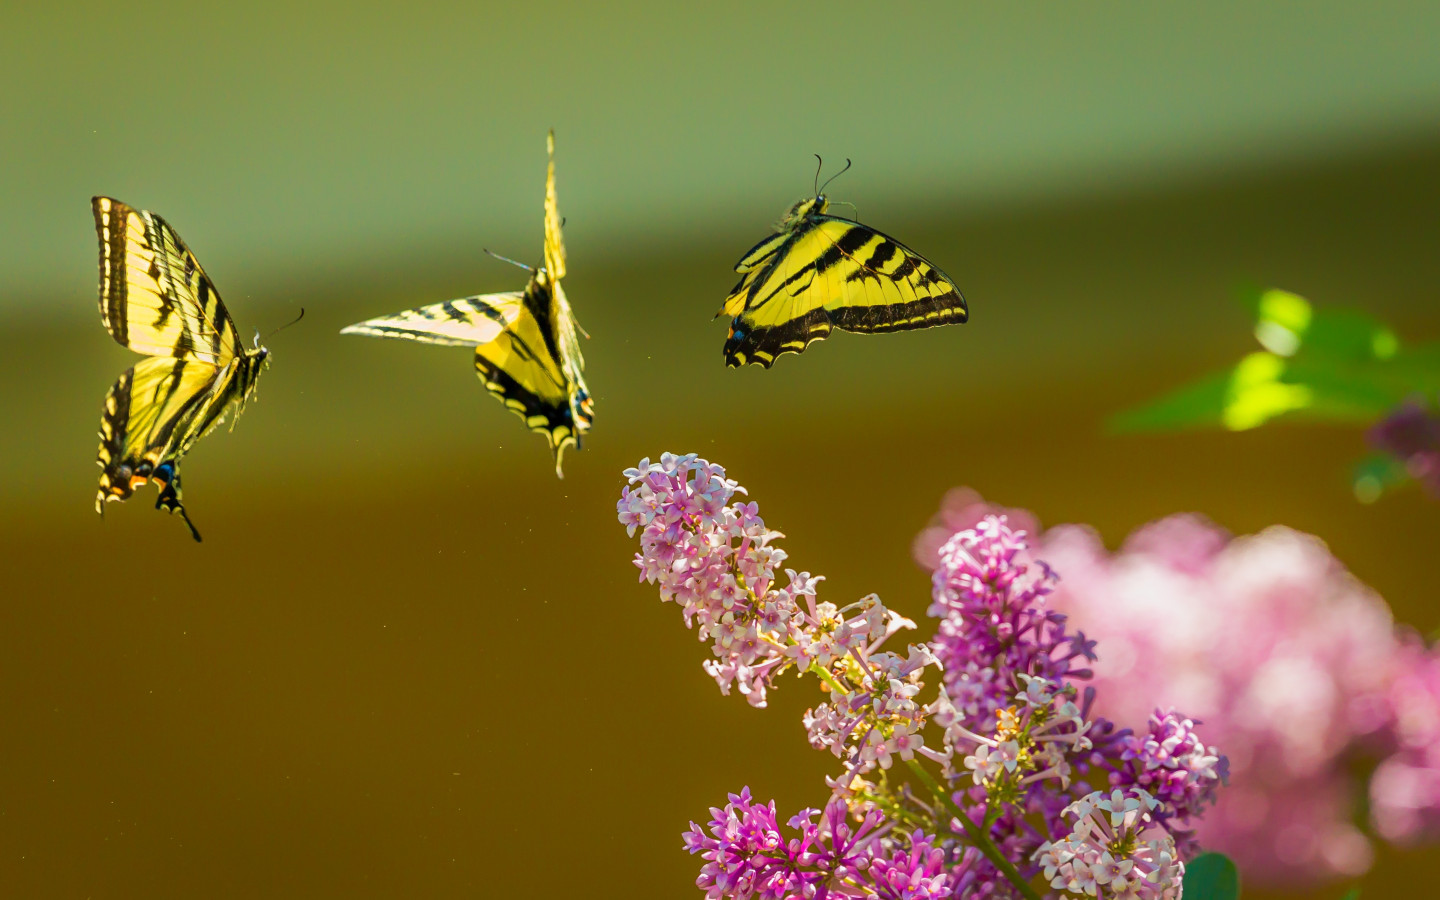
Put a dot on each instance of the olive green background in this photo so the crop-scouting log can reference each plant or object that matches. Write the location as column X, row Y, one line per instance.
column 407, row 660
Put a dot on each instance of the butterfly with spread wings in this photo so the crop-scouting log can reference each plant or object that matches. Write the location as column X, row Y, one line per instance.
column 526, row 350
column 155, row 299
column 819, row 272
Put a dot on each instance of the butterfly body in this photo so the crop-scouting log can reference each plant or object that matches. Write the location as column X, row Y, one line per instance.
column 819, row 272
column 527, row 349
column 155, row 299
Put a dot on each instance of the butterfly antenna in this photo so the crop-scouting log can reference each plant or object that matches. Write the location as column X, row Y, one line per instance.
column 832, row 177
column 819, row 164
column 510, row 261
column 282, row 327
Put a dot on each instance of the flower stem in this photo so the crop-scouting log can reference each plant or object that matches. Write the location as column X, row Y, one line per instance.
column 824, row 675
column 977, row 836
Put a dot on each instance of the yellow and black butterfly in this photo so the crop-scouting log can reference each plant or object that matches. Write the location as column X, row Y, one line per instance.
column 820, row 272
column 155, row 299
column 526, row 349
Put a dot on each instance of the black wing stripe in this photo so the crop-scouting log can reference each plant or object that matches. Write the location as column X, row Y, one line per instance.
column 114, row 284
column 851, row 241
column 811, row 268
column 902, row 271
column 882, row 254
column 764, row 344
column 488, row 312
column 898, row 317
column 753, row 259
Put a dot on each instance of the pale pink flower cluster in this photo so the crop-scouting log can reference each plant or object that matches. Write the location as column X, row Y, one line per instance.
column 1291, row 664
column 1115, row 850
column 717, row 560
column 873, row 717
column 1034, row 740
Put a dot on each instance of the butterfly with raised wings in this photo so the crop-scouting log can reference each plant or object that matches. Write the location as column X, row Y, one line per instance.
column 819, row 272
column 156, row 300
column 526, row 348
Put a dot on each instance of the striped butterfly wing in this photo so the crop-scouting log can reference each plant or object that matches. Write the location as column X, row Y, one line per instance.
column 517, row 354
column 831, row 273
column 154, row 297
column 554, row 242
column 533, row 368
column 153, row 415
column 455, row 323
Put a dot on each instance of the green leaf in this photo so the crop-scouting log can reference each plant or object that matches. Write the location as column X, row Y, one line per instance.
column 1321, row 365
column 1349, row 334
column 1345, row 391
column 1211, row 876
column 1248, row 395
column 1199, row 405
column 1352, row 894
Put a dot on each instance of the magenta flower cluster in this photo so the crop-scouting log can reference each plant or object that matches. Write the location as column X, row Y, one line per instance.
column 1007, row 766
column 994, row 625
column 997, row 630
column 746, row 855
column 1292, row 664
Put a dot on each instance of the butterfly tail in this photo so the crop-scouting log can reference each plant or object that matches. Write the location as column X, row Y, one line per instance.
column 169, row 481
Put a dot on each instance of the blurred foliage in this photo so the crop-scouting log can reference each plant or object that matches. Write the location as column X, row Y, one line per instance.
column 1212, row 876
column 1318, row 365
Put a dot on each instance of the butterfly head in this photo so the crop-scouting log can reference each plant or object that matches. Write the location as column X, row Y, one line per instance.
column 803, row 210
column 817, row 204
column 260, row 353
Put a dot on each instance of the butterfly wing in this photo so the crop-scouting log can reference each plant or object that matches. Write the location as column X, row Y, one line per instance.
column 531, row 368
column 154, row 297
column 153, row 415
column 517, row 354
column 455, row 323
column 831, row 273
column 554, row 243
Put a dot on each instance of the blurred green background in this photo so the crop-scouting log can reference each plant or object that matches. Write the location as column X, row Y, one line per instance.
column 407, row 660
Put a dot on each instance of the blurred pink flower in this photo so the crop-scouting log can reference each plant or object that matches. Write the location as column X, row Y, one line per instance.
column 1294, row 667
column 1405, row 789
